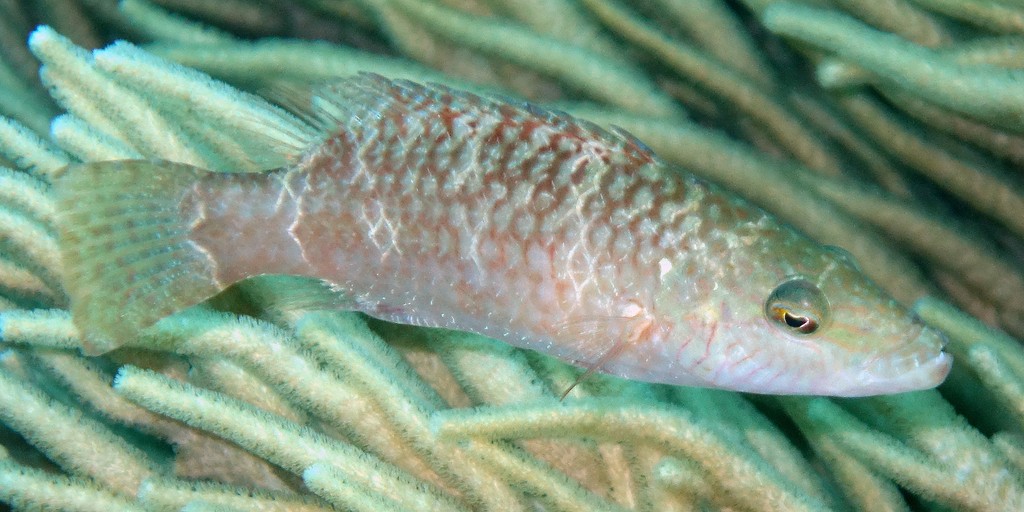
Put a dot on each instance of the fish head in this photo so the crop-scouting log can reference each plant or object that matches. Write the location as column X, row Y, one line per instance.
column 858, row 340
column 788, row 316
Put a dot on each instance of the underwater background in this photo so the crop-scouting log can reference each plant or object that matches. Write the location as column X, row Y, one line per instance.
column 892, row 128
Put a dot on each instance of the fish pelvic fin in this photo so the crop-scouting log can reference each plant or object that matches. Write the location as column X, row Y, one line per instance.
column 626, row 331
column 124, row 239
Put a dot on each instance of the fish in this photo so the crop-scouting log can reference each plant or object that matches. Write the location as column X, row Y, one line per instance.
column 427, row 205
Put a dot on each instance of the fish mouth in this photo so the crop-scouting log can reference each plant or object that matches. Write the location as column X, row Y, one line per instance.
column 919, row 363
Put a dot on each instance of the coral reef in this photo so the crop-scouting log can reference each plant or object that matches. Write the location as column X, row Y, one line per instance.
column 894, row 129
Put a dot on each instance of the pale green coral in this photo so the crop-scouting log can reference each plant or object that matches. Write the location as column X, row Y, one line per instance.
column 911, row 161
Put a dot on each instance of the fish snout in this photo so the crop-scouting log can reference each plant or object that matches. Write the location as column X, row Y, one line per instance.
column 926, row 358
column 919, row 363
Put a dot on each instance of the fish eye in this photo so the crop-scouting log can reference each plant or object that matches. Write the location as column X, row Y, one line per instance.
column 798, row 306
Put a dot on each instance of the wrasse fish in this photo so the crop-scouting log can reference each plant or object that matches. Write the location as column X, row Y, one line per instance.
column 431, row 206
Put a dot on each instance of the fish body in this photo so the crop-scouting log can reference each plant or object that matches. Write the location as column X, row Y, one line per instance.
column 431, row 206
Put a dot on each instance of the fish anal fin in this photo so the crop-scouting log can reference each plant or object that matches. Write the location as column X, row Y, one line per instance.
column 278, row 294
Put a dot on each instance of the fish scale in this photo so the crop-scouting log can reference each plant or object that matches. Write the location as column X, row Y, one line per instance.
column 485, row 198
column 431, row 206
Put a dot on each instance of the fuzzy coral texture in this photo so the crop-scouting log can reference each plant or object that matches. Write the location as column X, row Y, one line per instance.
column 892, row 128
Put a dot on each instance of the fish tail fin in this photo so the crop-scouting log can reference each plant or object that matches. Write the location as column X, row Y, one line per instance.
column 124, row 239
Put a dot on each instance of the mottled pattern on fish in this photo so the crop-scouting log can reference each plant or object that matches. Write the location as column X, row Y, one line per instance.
column 430, row 206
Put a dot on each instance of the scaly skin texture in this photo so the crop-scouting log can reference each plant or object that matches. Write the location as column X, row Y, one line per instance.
column 435, row 207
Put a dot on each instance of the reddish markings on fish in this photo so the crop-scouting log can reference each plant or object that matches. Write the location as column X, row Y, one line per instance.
column 448, row 117
column 707, row 344
column 754, row 368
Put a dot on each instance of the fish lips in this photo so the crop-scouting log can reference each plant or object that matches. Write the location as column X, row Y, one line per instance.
column 920, row 363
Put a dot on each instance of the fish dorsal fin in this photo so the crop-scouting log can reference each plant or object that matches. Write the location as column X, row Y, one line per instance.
column 348, row 102
column 632, row 142
column 363, row 101
column 294, row 96
column 354, row 102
